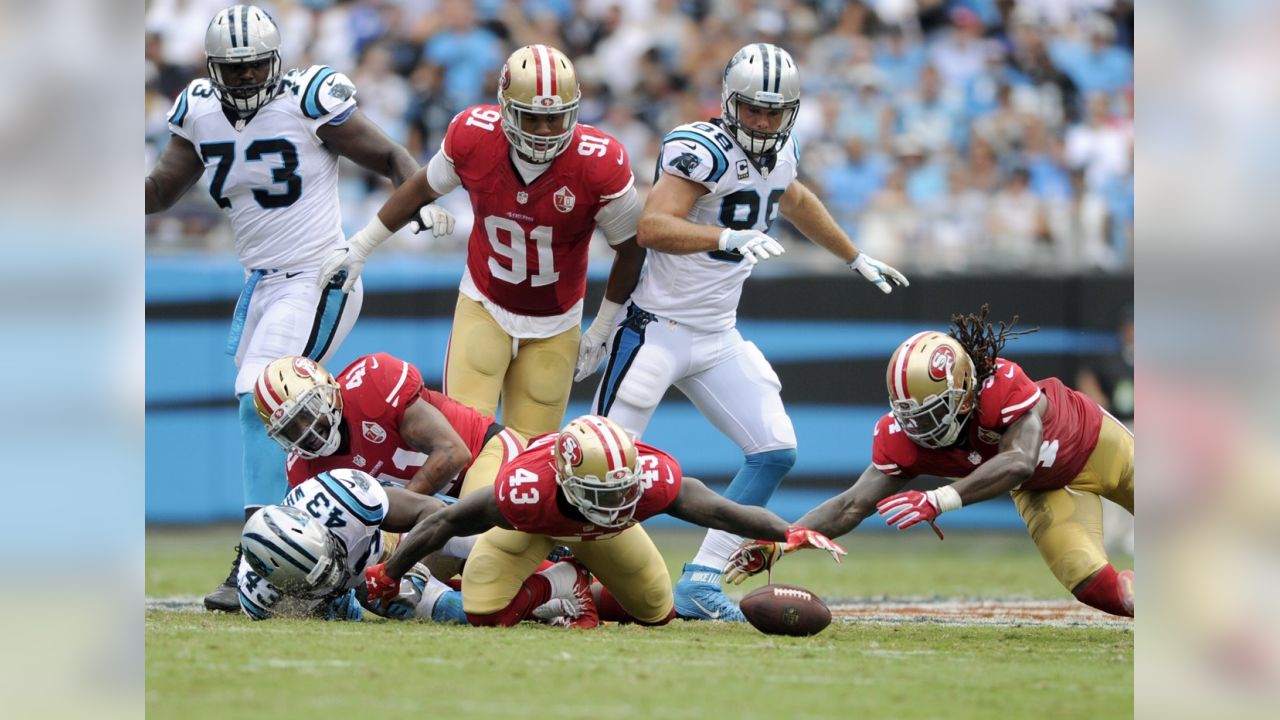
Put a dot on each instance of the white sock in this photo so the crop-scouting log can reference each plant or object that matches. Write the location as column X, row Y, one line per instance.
column 562, row 576
column 716, row 548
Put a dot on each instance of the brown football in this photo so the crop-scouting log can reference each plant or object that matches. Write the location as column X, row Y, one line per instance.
column 785, row 610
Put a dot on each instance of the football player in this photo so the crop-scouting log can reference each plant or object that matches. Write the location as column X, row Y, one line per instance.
column 377, row 415
column 721, row 186
column 587, row 486
column 959, row 410
column 539, row 183
column 270, row 142
column 307, row 556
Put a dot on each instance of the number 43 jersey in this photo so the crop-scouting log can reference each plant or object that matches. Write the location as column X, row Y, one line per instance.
column 701, row 290
column 276, row 180
column 527, row 252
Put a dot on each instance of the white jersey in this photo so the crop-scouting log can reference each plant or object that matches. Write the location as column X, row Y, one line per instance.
column 276, row 180
column 352, row 508
column 701, row 290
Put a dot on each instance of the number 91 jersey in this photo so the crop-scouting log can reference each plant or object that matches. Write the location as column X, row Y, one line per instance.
column 528, row 248
column 351, row 505
column 276, row 180
column 701, row 290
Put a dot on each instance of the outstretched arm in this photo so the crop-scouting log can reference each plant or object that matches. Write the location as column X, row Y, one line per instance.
column 842, row 513
column 473, row 514
column 699, row 505
column 178, row 168
column 810, row 216
column 427, row 430
column 364, row 143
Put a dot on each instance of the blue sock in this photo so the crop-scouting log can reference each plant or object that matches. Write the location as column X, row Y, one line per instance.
column 265, row 482
column 448, row 609
column 760, row 476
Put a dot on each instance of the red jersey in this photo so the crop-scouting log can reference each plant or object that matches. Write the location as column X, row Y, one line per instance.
column 530, row 498
column 528, row 247
column 376, row 390
column 1071, row 424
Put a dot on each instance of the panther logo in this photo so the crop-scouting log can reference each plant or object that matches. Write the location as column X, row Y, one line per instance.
column 685, row 163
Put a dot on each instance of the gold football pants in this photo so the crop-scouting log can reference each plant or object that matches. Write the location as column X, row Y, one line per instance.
column 1066, row 523
column 532, row 376
column 628, row 564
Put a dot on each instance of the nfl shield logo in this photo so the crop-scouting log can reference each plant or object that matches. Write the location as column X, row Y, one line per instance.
column 564, row 200
column 359, row 461
column 373, row 432
column 522, row 197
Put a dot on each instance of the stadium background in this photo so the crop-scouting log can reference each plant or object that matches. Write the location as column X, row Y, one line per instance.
column 984, row 148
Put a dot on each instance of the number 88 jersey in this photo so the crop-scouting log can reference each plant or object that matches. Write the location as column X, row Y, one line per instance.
column 701, row 290
column 276, row 180
column 527, row 253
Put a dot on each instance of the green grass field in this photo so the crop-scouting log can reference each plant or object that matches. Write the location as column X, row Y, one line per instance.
column 202, row 665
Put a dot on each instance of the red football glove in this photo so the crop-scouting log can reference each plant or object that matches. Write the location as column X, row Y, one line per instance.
column 799, row 538
column 378, row 584
column 908, row 508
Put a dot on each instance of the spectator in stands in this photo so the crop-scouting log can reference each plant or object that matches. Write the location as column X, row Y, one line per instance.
column 467, row 53
column 1017, row 224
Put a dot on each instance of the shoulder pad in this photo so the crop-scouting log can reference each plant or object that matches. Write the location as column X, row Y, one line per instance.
column 1007, row 395
column 197, row 91
column 319, row 90
column 892, row 452
column 696, row 151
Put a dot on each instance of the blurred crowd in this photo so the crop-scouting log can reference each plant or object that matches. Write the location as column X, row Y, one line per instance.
column 944, row 135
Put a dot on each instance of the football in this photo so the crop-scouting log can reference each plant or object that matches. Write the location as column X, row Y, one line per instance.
column 785, row 610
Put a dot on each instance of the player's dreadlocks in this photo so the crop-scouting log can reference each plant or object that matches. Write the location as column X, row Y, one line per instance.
column 982, row 341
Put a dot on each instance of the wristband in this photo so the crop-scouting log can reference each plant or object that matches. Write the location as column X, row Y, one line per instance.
column 370, row 237
column 946, row 498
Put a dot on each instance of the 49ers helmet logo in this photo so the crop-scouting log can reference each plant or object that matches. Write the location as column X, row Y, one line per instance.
column 304, row 367
column 941, row 362
column 569, row 450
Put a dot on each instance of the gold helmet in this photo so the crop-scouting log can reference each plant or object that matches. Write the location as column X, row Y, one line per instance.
column 301, row 405
column 931, row 382
column 595, row 461
column 539, row 80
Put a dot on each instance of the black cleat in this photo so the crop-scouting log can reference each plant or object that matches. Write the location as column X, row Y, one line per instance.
column 226, row 597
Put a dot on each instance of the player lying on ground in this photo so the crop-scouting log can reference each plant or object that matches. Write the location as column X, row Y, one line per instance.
column 960, row 411
column 308, row 555
column 587, row 486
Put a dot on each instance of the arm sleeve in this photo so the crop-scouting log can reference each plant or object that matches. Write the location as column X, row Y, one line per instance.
column 1011, row 395
column 441, row 175
column 618, row 219
column 181, row 109
column 889, row 452
column 693, row 156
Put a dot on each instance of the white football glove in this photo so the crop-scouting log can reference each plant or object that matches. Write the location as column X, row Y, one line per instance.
column 434, row 218
column 351, row 257
column 882, row 274
column 591, row 350
column 751, row 244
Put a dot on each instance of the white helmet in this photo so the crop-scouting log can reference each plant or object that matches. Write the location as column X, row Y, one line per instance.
column 765, row 76
column 294, row 552
column 239, row 35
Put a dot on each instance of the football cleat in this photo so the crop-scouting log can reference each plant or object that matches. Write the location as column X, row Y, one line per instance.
column 226, row 597
column 699, row 597
column 588, row 617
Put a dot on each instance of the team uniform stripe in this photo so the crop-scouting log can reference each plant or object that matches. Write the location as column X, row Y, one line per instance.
column 266, row 542
column 1008, row 412
column 609, row 439
column 244, row 25
column 764, row 67
column 325, row 327
column 180, row 113
column 255, row 611
column 342, row 117
column 231, row 25
column 370, row 515
column 886, row 467
column 510, row 445
column 626, row 346
column 777, row 69
column 900, row 367
column 717, row 155
column 311, row 106
column 404, row 373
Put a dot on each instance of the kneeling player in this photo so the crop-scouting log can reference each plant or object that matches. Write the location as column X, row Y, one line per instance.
column 587, row 486
column 307, row 556
column 960, row 411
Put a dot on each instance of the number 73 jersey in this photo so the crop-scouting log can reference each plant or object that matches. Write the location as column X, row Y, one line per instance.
column 275, row 179
column 701, row 290
column 528, row 248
